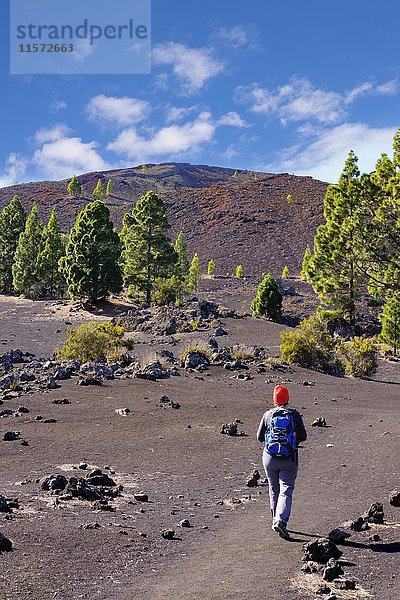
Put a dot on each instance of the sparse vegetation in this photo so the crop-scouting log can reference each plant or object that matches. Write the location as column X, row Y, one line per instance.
column 360, row 356
column 98, row 192
column 194, row 273
column 239, row 271
column 311, row 346
column 242, row 352
column 91, row 341
column 285, row 273
column 211, row 267
column 199, row 348
column 268, row 300
column 74, row 188
column 168, row 291
column 390, row 319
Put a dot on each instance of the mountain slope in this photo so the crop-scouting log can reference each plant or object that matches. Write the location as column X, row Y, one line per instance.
column 246, row 219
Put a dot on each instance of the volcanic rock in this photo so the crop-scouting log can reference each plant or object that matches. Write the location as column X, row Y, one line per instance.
column 97, row 477
column 394, row 498
column 4, row 506
column 345, row 584
column 10, row 436
column 124, row 412
column 229, row 428
column 332, row 570
column 338, row 536
column 193, row 360
column 141, row 497
column 89, row 380
column 375, row 513
column 320, row 422
column 320, row 551
column 359, row 524
column 168, row 534
column 184, row 523
column 253, row 478
column 55, row 483
column 166, row 402
column 5, row 544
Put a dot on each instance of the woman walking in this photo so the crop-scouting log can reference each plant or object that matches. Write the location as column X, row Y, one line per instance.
column 282, row 429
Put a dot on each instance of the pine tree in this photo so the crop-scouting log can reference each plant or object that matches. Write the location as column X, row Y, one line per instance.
column 235, row 175
column 98, row 191
column 180, row 247
column 109, row 188
column 148, row 253
column 335, row 270
column 268, row 300
column 74, row 187
column 24, row 269
column 285, row 273
column 53, row 249
column 239, row 271
column 91, row 262
column 144, row 168
column 211, row 267
column 390, row 319
column 12, row 224
column 194, row 273
column 304, row 266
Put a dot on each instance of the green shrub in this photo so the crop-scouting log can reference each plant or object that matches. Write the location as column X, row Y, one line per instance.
column 311, row 346
column 195, row 324
column 168, row 291
column 285, row 273
column 239, row 271
column 360, row 356
column 268, row 300
column 91, row 341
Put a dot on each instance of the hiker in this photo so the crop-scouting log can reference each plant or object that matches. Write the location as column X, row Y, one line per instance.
column 282, row 429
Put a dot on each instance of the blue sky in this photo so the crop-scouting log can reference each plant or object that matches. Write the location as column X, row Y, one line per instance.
column 261, row 85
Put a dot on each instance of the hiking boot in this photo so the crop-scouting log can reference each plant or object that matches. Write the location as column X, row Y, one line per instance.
column 281, row 529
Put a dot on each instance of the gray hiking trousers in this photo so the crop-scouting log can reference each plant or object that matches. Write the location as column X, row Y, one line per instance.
column 281, row 474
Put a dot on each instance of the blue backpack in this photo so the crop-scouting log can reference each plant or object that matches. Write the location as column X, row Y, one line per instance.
column 280, row 437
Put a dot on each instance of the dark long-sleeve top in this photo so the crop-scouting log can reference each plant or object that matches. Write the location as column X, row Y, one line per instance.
column 301, row 433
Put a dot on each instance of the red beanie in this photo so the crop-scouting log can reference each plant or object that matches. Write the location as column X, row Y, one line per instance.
column 281, row 394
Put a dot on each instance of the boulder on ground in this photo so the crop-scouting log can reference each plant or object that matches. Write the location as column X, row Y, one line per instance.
column 229, row 428
column 5, row 544
column 338, row 536
column 253, row 478
column 375, row 513
column 10, row 436
column 332, row 570
column 194, row 359
column 320, row 551
column 394, row 498
column 320, row 422
column 97, row 477
column 168, row 534
column 152, row 371
column 4, row 506
column 167, row 403
column 54, row 483
column 359, row 524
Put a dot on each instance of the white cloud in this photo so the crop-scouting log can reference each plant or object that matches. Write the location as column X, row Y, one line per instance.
column 193, row 67
column 236, row 36
column 51, row 134
column 121, row 111
column 62, row 157
column 232, row 119
column 300, row 100
column 169, row 141
column 390, row 88
column 324, row 157
column 15, row 168
column 57, row 105
column 176, row 113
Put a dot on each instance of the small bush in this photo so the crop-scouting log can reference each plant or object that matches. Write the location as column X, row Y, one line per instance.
column 311, row 346
column 195, row 324
column 168, row 291
column 91, row 341
column 360, row 356
column 239, row 271
column 285, row 273
column 201, row 349
column 242, row 352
